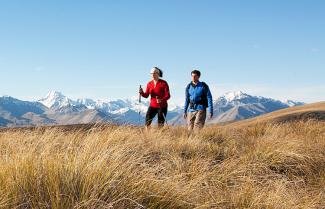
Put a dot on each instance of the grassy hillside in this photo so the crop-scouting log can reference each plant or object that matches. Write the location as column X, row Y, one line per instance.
column 263, row 165
column 315, row 111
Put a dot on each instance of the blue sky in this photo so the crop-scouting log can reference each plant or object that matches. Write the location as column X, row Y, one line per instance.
column 104, row 49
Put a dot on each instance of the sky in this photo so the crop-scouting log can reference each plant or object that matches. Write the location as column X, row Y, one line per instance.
column 103, row 49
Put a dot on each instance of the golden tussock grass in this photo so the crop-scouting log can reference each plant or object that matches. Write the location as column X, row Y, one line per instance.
column 261, row 166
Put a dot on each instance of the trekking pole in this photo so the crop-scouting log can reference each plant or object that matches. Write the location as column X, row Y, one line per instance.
column 139, row 106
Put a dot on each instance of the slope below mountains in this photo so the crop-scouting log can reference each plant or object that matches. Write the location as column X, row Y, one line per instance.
column 56, row 108
column 314, row 111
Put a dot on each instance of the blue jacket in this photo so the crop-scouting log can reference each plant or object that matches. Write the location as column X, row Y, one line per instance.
column 200, row 96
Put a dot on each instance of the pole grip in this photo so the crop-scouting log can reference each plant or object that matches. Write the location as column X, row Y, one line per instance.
column 140, row 95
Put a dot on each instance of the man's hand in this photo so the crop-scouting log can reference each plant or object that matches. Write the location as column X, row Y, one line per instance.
column 211, row 115
column 185, row 115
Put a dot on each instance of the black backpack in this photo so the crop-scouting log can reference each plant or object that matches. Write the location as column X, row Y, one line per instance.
column 204, row 100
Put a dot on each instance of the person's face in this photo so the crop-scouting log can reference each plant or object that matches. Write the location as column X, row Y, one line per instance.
column 195, row 77
column 155, row 76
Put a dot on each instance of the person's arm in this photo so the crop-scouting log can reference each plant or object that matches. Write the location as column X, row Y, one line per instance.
column 187, row 100
column 147, row 92
column 166, row 92
column 210, row 101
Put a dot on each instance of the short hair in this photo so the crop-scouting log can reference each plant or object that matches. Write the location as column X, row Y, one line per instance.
column 198, row 73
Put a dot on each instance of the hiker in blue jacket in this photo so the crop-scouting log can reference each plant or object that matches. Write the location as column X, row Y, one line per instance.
column 197, row 99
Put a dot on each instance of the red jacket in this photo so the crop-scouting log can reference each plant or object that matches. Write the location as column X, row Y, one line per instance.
column 161, row 91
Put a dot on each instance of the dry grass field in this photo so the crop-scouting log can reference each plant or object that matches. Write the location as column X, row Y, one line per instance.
column 257, row 165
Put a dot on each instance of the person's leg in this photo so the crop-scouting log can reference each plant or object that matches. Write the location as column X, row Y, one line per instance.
column 190, row 120
column 200, row 120
column 151, row 113
column 162, row 114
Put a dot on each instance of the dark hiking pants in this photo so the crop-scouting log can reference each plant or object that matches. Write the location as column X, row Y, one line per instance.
column 152, row 112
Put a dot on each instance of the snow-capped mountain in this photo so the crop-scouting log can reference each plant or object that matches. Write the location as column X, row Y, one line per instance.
column 120, row 106
column 239, row 97
column 55, row 100
column 56, row 108
column 126, row 111
column 239, row 105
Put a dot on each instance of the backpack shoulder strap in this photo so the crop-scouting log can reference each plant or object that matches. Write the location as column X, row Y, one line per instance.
column 205, row 87
column 187, row 89
column 188, row 86
column 205, row 93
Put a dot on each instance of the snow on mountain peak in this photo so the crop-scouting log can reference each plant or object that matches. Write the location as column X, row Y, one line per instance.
column 89, row 103
column 55, row 99
column 239, row 97
column 292, row 103
column 54, row 94
column 235, row 95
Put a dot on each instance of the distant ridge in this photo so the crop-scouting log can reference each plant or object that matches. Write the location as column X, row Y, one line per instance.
column 57, row 109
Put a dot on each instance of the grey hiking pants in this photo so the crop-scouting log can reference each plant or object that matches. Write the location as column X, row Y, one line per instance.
column 196, row 120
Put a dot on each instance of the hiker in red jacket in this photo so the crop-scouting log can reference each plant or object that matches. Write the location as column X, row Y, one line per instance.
column 158, row 89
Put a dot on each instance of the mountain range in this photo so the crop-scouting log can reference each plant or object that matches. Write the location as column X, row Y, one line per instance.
column 55, row 108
